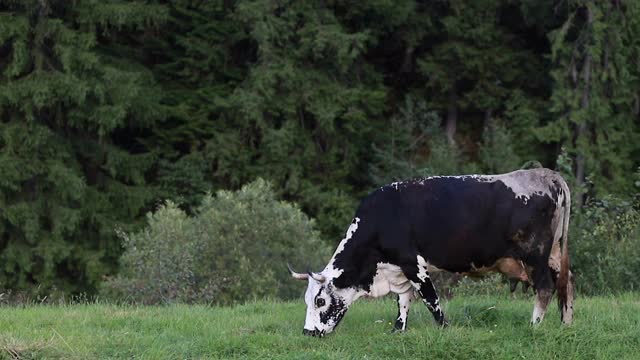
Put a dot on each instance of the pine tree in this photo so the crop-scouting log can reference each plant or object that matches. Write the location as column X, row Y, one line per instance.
column 72, row 105
column 304, row 114
column 595, row 93
column 474, row 63
column 199, row 59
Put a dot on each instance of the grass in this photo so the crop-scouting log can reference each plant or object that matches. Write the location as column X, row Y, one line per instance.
column 492, row 327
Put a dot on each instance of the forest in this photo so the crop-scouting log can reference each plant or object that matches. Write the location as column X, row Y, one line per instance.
column 117, row 115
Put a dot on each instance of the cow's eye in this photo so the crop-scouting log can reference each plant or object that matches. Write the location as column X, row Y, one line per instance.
column 319, row 302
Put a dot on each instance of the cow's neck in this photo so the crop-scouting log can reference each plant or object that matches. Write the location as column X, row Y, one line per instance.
column 333, row 270
column 351, row 269
column 349, row 294
column 344, row 266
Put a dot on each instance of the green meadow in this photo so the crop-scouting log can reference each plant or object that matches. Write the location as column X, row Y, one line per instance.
column 491, row 327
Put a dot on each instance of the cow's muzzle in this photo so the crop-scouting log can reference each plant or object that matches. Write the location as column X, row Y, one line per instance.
column 314, row 332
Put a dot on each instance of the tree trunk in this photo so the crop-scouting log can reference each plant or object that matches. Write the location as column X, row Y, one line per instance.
column 488, row 120
column 581, row 129
column 452, row 116
column 407, row 61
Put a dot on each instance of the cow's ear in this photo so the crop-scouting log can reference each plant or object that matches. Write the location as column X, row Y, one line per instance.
column 295, row 275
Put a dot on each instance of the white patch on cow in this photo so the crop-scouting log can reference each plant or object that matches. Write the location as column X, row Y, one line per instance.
column 540, row 307
column 380, row 286
column 463, row 177
column 349, row 294
column 404, row 301
column 388, row 278
column 396, row 184
column 422, row 269
column 523, row 185
column 521, row 182
column 538, row 313
column 312, row 320
column 437, row 304
column 330, row 271
column 326, row 292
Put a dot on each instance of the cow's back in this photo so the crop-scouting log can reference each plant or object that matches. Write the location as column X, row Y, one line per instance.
column 459, row 223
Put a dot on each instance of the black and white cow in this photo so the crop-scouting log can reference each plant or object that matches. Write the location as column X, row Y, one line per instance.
column 513, row 223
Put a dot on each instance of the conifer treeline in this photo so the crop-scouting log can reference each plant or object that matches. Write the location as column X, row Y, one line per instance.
column 107, row 107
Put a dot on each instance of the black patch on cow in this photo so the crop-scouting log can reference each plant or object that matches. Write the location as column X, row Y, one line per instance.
column 399, row 325
column 335, row 312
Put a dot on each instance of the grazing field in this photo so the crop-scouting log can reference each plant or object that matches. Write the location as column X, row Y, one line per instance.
column 482, row 327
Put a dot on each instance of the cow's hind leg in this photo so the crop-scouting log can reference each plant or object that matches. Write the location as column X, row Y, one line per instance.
column 404, row 301
column 421, row 281
column 544, row 284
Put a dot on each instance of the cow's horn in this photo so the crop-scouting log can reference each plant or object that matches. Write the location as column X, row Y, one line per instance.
column 295, row 275
column 316, row 277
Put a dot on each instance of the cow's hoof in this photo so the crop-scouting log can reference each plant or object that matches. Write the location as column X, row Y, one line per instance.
column 399, row 326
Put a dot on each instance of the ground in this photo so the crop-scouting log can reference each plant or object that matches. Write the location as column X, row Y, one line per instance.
column 491, row 327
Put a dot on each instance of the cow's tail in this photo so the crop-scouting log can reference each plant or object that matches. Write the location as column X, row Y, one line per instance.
column 564, row 284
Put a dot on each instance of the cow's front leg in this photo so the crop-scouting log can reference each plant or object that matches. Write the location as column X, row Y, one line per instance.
column 421, row 281
column 404, row 301
column 429, row 296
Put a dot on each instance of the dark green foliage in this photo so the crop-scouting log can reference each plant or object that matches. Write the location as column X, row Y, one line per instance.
column 416, row 147
column 531, row 164
column 477, row 63
column 109, row 107
column 199, row 59
column 234, row 249
column 605, row 246
column 497, row 151
column 302, row 117
column 594, row 100
column 64, row 103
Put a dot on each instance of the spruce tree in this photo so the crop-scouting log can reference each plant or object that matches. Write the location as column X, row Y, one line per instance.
column 474, row 62
column 199, row 58
column 308, row 106
column 72, row 105
column 594, row 100
column 261, row 88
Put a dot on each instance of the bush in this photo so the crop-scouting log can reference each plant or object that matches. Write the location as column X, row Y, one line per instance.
column 604, row 242
column 233, row 249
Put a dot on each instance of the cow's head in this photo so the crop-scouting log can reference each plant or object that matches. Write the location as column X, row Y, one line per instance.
column 326, row 304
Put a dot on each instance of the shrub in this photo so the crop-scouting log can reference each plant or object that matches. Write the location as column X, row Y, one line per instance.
column 233, row 249
column 158, row 264
column 604, row 242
